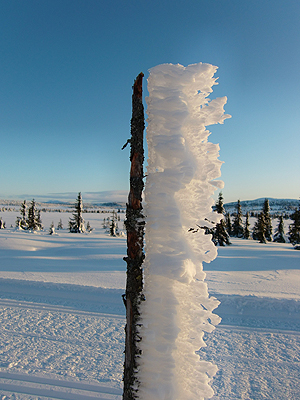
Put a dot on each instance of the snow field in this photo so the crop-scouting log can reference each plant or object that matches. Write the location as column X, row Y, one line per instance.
column 257, row 344
column 45, row 342
column 254, row 364
column 61, row 311
column 62, row 328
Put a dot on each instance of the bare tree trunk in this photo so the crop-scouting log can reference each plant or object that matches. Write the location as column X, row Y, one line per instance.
column 135, row 233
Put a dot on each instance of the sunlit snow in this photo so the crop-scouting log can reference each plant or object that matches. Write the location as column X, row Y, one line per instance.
column 182, row 166
column 62, row 319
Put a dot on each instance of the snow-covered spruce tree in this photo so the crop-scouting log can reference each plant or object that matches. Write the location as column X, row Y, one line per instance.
column 76, row 223
column 52, row 229
column 23, row 209
column 88, row 227
column 246, row 234
column 268, row 220
column 219, row 233
column 259, row 229
column 2, row 224
column 112, row 228
column 60, row 225
column 39, row 220
column 237, row 226
column 294, row 229
column 21, row 222
column 18, row 223
column 279, row 231
column 33, row 219
column 228, row 224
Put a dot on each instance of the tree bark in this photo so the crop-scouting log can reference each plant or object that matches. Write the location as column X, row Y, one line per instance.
column 135, row 233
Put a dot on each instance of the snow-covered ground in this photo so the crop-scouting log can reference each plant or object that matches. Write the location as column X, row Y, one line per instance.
column 62, row 315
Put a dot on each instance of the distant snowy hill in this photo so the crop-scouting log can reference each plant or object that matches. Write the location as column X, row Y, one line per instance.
column 106, row 196
column 14, row 205
column 277, row 206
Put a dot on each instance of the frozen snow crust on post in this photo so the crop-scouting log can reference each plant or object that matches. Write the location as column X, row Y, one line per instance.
column 182, row 166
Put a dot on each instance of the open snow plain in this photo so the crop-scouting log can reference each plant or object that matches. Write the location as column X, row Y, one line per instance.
column 62, row 315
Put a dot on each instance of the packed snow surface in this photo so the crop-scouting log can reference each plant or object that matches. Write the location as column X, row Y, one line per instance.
column 181, row 172
column 62, row 315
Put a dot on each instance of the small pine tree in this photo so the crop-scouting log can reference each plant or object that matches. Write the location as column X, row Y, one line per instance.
column 237, row 226
column 39, row 220
column 228, row 224
column 294, row 228
column 259, row 230
column 21, row 223
column 219, row 233
column 52, row 229
column 76, row 223
column 33, row 220
column 113, row 225
column 88, row 227
column 268, row 220
column 18, row 223
column 246, row 234
column 219, row 206
column 60, row 225
column 112, row 228
column 279, row 232
column 23, row 209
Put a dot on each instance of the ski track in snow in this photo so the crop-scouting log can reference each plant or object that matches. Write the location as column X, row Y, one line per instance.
column 62, row 328
column 62, row 333
column 254, row 364
column 62, row 353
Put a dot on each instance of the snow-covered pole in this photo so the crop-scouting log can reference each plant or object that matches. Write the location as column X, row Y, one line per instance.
column 181, row 178
column 135, row 231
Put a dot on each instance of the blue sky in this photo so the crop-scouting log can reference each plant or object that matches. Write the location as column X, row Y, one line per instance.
column 67, row 69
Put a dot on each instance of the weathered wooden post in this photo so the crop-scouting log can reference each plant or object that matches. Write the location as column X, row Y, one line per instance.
column 135, row 232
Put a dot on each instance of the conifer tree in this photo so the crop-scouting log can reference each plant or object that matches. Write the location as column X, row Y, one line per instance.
column 23, row 210
column 88, row 227
column 2, row 224
column 60, row 225
column 279, row 232
column 76, row 223
column 228, row 224
column 51, row 229
column 246, row 234
column 18, row 223
column 237, row 226
column 294, row 229
column 259, row 230
column 112, row 228
column 21, row 222
column 39, row 220
column 219, row 234
column 268, row 220
column 33, row 220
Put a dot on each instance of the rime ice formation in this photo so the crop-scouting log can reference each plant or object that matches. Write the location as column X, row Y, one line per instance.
column 182, row 166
